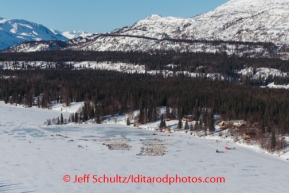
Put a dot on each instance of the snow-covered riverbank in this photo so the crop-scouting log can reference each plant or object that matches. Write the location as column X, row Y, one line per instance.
column 34, row 158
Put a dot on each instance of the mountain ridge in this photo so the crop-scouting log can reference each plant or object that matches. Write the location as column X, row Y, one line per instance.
column 234, row 21
column 17, row 31
column 237, row 20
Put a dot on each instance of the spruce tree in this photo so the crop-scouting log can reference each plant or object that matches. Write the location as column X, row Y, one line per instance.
column 127, row 121
column 76, row 117
column 211, row 123
column 162, row 123
column 197, row 114
column 167, row 111
column 43, row 104
column 201, row 123
column 84, row 111
column 98, row 119
column 186, row 125
column 92, row 113
column 61, row 119
column 262, row 126
column 180, row 124
column 145, row 118
column 141, row 115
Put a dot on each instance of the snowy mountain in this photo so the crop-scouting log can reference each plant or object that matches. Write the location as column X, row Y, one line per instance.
column 34, row 46
column 75, row 34
column 16, row 31
column 236, row 20
column 228, row 29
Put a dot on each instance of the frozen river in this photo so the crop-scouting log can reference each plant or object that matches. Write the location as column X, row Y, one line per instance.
column 35, row 158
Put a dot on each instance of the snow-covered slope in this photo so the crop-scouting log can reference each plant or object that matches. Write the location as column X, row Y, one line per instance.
column 115, row 42
column 263, row 73
column 16, row 31
column 237, row 20
column 75, row 34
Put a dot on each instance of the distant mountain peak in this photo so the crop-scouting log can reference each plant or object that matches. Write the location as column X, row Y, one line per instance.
column 153, row 17
column 16, row 31
column 75, row 34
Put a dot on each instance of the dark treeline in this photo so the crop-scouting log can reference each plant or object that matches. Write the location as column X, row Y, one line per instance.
column 108, row 93
column 266, row 45
column 193, row 62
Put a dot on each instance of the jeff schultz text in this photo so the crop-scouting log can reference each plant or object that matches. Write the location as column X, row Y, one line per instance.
column 87, row 178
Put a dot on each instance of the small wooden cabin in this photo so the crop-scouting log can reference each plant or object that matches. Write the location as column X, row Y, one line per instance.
column 222, row 125
column 249, row 135
column 188, row 118
column 232, row 123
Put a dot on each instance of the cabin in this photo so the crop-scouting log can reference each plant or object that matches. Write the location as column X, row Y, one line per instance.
column 188, row 118
column 249, row 135
column 238, row 123
column 171, row 117
column 223, row 125
column 228, row 124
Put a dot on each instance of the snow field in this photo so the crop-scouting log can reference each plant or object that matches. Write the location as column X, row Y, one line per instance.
column 34, row 158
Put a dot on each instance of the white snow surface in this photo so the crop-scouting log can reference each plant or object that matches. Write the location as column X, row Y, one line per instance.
column 34, row 159
column 72, row 108
column 262, row 73
column 16, row 31
column 272, row 85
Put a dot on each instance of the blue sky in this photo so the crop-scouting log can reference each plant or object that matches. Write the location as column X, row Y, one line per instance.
column 99, row 15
